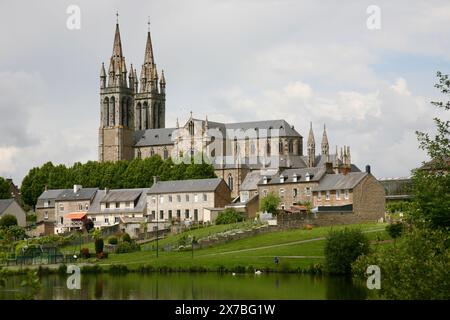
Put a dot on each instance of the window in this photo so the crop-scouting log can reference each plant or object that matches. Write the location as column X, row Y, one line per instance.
column 205, row 197
column 94, row 219
column 61, row 207
column 230, row 182
column 107, row 205
column 346, row 194
column 187, row 198
column 46, row 215
column 86, row 206
column 165, row 154
column 161, row 199
column 178, row 198
column 170, row 198
column 117, row 205
column 295, row 192
column 107, row 220
column 170, row 214
column 281, row 192
column 319, row 195
column 195, row 197
column 161, row 214
column 46, row 204
column 196, row 214
column 308, row 191
column 264, row 193
column 152, row 152
column 186, row 213
column 327, row 195
column 128, row 204
column 61, row 220
column 116, row 219
column 80, row 207
column 153, row 199
column 178, row 214
column 282, row 206
column 153, row 214
column 338, row 195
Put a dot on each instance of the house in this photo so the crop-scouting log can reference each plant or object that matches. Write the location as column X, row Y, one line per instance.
column 349, row 198
column 248, row 201
column 186, row 200
column 11, row 207
column 71, row 207
column 45, row 211
column 109, row 206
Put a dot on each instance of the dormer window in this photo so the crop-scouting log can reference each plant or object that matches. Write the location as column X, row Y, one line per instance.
column 264, row 180
column 294, row 177
column 307, row 177
column 281, row 179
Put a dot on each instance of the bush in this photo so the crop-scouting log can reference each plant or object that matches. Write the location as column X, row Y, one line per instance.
column 270, row 203
column 62, row 269
column 84, row 253
column 113, row 241
column 126, row 237
column 342, row 248
column 415, row 268
column 228, row 216
column 395, row 230
column 99, row 245
column 118, row 269
column 126, row 247
column 8, row 220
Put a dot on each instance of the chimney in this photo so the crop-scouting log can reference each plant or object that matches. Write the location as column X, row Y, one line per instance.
column 45, row 188
column 329, row 168
column 76, row 188
column 106, row 190
column 155, row 179
column 345, row 170
column 368, row 169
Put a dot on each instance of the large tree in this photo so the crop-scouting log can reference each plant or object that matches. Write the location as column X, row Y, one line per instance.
column 5, row 192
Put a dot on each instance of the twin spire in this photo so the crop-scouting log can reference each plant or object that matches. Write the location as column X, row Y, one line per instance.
column 117, row 71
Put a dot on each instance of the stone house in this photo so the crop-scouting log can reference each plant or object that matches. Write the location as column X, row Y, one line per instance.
column 11, row 207
column 71, row 207
column 186, row 200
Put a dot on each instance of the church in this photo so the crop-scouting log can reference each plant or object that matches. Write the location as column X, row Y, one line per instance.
column 132, row 125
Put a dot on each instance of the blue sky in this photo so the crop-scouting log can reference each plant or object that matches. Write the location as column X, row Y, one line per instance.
column 233, row 60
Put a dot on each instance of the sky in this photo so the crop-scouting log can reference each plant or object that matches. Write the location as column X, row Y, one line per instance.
column 233, row 60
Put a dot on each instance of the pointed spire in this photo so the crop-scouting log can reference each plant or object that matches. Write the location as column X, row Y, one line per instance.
column 311, row 140
column 162, row 82
column 117, row 67
column 311, row 147
column 117, row 48
column 178, row 124
column 102, row 71
column 325, row 146
column 149, row 48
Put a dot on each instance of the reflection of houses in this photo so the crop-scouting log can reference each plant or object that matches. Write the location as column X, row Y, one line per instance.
column 186, row 200
column 397, row 189
column 110, row 206
column 11, row 207
column 71, row 207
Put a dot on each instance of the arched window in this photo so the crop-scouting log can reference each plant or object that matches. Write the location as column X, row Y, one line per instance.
column 139, row 116
column 129, row 113
column 145, row 116
column 291, row 146
column 105, row 112
column 280, row 147
column 156, row 116
column 191, row 128
column 253, row 148
column 112, row 111
column 124, row 112
column 268, row 147
column 230, row 181
column 165, row 153
column 152, row 152
column 139, row 154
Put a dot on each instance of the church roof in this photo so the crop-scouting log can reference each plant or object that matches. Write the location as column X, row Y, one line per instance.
column 153, row 137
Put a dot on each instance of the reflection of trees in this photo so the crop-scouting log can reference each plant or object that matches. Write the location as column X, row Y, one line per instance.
column 344, row 288
column 98, row 294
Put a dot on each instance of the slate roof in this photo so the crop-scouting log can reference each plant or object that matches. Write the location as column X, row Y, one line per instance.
column 315, row 175
column 119, row 195
column 340, row 181
column 194, row 185
column 82, row 194
column 153, row 137
column 286, row 130
column 49, row 195
column 251, row 181
column 4, row 204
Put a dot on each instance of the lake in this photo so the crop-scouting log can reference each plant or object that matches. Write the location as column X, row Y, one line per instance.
column 188, row 286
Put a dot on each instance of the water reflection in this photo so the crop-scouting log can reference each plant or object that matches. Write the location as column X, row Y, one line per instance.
column 186, row 286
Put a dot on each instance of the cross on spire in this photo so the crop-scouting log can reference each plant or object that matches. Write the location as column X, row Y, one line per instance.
column 148, row 23
column 117, row 17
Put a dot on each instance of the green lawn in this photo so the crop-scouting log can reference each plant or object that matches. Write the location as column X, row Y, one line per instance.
column 294, row 255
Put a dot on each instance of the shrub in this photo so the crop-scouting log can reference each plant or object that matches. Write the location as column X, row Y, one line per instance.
column 118, row 269
column 8, row 220
column 228, row 216
column 62, row 269
column 126, row 237
column 342, row 248
column 84, row 253
column 415, row 268
column 395, row 230
column 99, row 245
column 113, row 241
column 91, row 269
column 270, row 203
column 126, row 247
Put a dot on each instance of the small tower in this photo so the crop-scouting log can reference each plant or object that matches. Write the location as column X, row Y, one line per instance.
column 311, row 148
column 324, row 145
column 116, row 108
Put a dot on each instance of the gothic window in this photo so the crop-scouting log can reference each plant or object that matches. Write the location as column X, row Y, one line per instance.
column 112, row 111
column 124, row 112
column 280, row 147
column 230, row 181
column 291, row 146
column 139, row 116
column 152, row 152
column 253, row 148
column 139, row 154
column 145, row 116
column 166, row 153
column 129, row 113
column 105, row 112
column 191, row 128
column 268, row 149
column 156, row 116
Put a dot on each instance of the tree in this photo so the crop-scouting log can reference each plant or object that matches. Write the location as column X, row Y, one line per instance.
column 270, row 203
column 342, row 248
column 8, row 220
column 4, row 189
column 228, row 216
column 431, row 184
